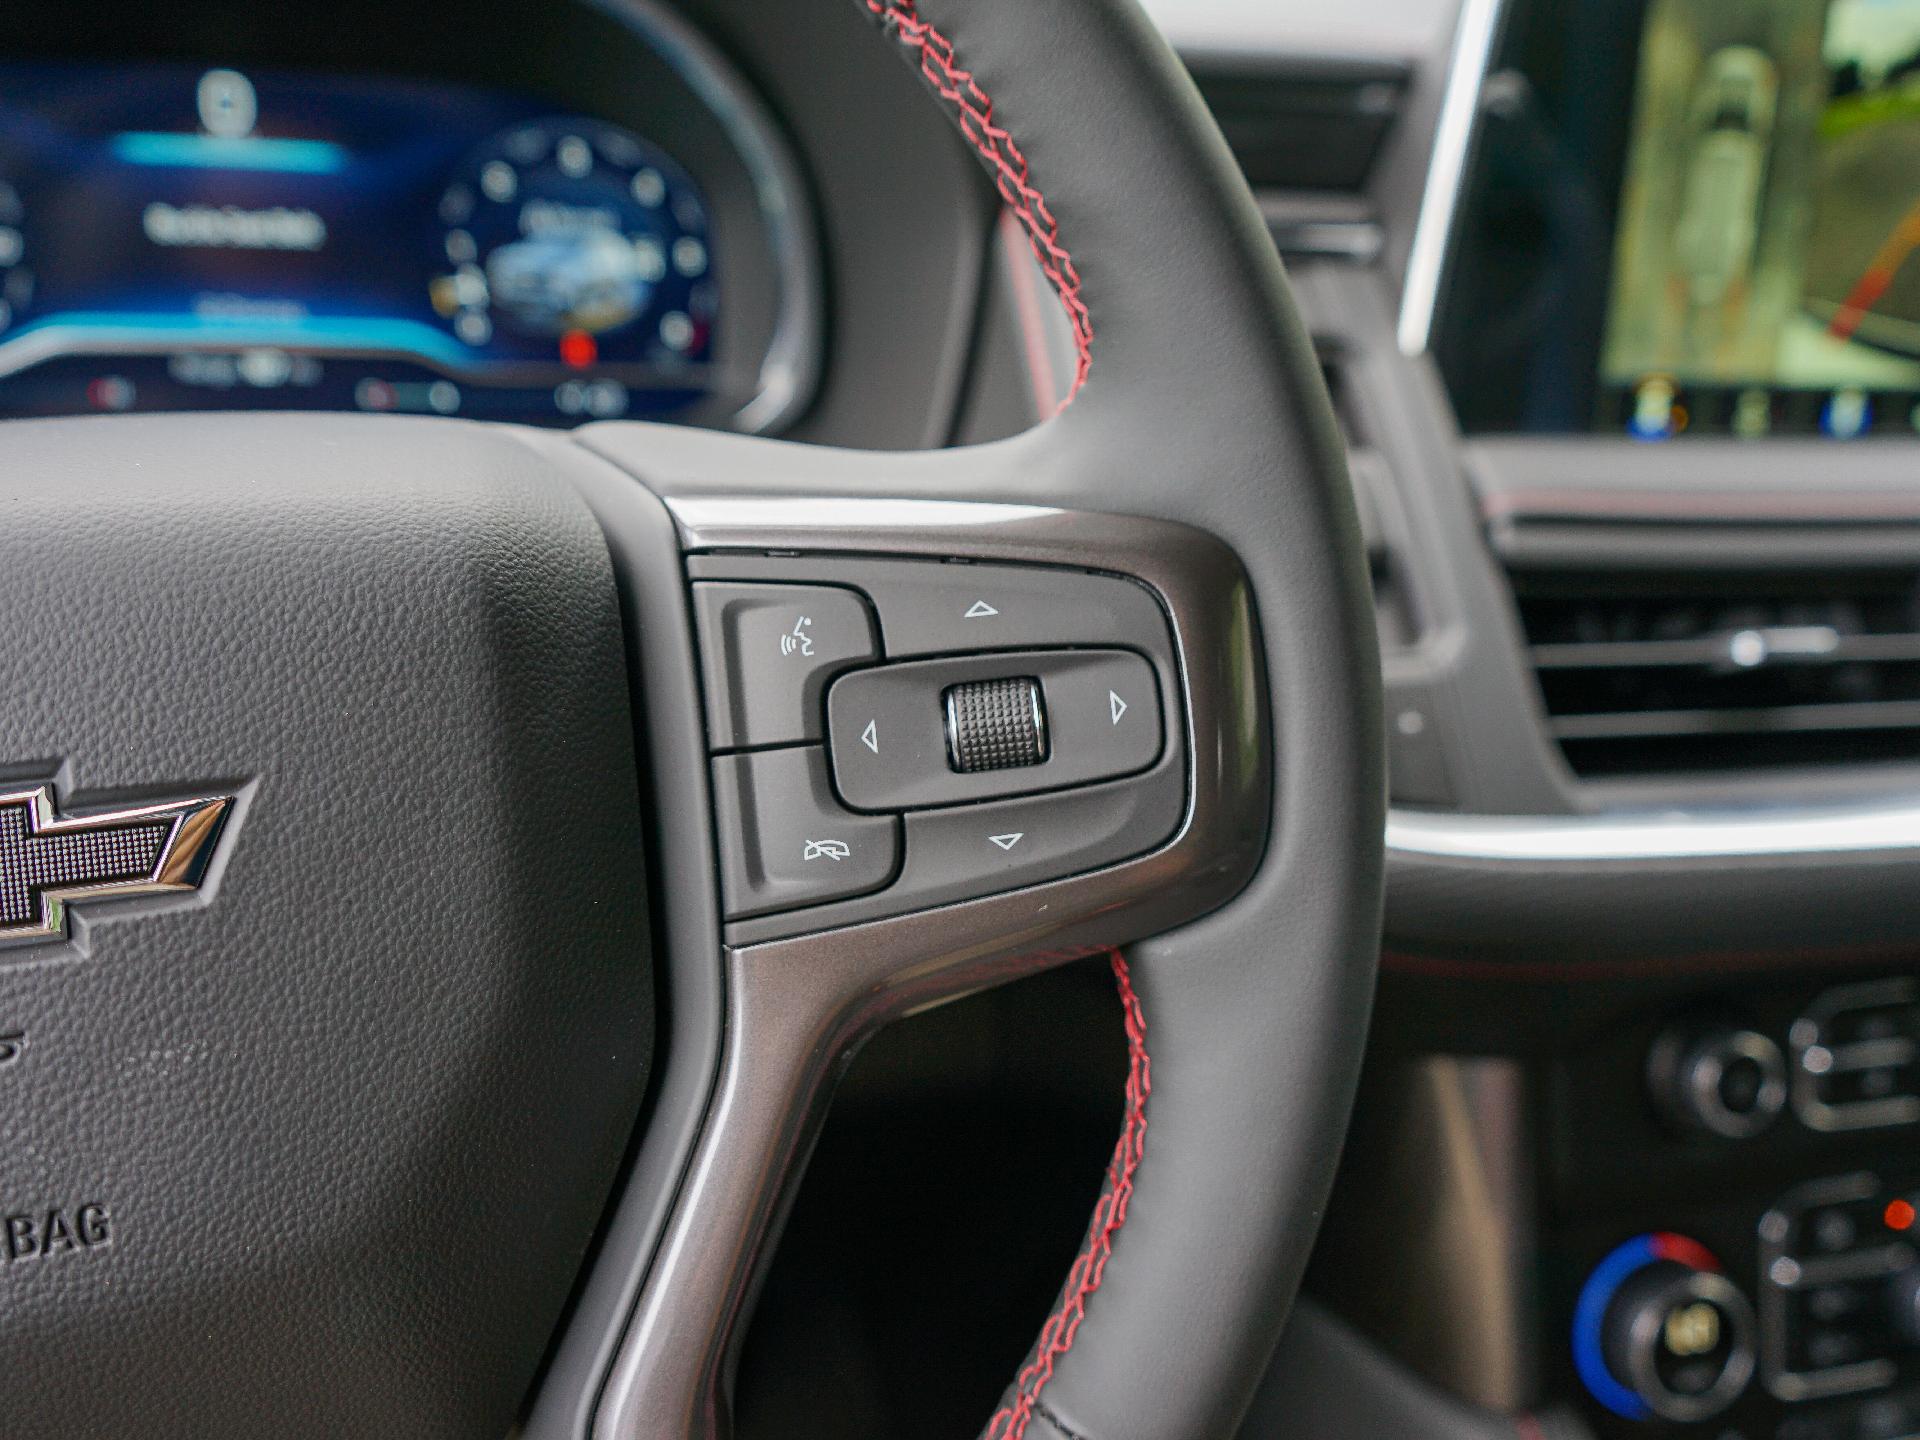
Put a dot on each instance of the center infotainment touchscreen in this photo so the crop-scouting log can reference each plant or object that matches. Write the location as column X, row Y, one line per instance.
column 1692, row 217
column 1764, row 250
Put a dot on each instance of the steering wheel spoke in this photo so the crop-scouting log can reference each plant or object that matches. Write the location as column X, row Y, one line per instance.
column 1138, row 626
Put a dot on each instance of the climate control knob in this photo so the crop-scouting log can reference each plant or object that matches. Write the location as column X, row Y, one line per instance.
column 1724, row 1081
column 1660, row 1333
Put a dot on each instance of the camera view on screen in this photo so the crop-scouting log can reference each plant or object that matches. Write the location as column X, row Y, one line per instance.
column 1764, row 275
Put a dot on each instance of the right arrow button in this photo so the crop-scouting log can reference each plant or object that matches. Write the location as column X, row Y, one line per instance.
column 1103, row 707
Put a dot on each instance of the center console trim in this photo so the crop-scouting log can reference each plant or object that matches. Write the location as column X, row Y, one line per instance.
column 1479, row 28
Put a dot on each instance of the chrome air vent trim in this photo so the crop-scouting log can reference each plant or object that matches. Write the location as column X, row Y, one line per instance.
column 1879, row 826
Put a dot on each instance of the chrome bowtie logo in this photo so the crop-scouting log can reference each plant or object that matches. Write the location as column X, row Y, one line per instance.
column 48, row 863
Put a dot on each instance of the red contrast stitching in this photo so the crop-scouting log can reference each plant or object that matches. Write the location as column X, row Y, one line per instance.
column 974, row 112
column 1057, row 1335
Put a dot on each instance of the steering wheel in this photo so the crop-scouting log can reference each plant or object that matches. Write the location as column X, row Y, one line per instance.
column 364, row 777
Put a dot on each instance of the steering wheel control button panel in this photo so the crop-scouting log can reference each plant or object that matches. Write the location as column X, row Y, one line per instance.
column 996, row 724
column 1839, row 1274
column 1660, row 1333
column 786, row 843
column 1086, row 715
column 770, row 651
column 999, row 727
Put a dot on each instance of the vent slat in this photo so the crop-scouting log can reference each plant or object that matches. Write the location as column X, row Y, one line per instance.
column 1774, row 720
column 1643, row 672
column 1630, row 653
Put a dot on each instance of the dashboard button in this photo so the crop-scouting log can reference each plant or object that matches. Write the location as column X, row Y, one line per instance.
column 770, row 651
column 1902, row 1301
column 1838, row 1227
column 888, row 727
column 1838, row 1325
column 1856, row 1057
column 1831, row 1252
column 1722, row 1081
column 785, row 842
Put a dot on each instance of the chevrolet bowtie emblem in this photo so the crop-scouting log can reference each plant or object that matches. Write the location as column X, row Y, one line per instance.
column 48, row 863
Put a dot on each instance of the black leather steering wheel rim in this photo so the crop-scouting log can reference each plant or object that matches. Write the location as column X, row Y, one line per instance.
column 1244, row 1034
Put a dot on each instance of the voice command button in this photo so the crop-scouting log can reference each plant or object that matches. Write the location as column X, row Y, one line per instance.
column 770, row 651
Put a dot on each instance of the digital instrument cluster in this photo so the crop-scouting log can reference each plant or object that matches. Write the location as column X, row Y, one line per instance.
column 185, row 238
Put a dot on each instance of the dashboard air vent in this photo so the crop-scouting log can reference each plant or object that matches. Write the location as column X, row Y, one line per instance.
column 1306, row 125
column 1716, row 671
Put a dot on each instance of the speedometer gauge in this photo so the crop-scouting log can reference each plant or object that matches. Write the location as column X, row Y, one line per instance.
column 573, row 243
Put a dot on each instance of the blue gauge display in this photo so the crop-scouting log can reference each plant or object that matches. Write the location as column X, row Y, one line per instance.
column 176, row 237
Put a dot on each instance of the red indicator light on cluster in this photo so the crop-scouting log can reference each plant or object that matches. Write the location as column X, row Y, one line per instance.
column 110, row 392
column 1899, row 1215
column 578, row 350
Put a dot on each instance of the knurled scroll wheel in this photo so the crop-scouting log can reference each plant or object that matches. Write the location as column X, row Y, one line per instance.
column 996, row 724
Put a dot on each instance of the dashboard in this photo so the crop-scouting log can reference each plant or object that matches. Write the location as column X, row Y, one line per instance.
column 1698, row 217
column 203, row 234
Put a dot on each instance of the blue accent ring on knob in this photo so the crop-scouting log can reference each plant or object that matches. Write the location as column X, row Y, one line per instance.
column 1590, row 1312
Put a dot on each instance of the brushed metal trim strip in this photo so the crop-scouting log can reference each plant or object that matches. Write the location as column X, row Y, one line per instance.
column 1774, row 832
column 1446, row 173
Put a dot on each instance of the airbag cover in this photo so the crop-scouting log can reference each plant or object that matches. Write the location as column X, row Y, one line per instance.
column 338, row 1127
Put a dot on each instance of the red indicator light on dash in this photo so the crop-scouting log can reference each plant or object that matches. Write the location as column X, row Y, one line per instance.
column 578, row 350
column 1899, row 1215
